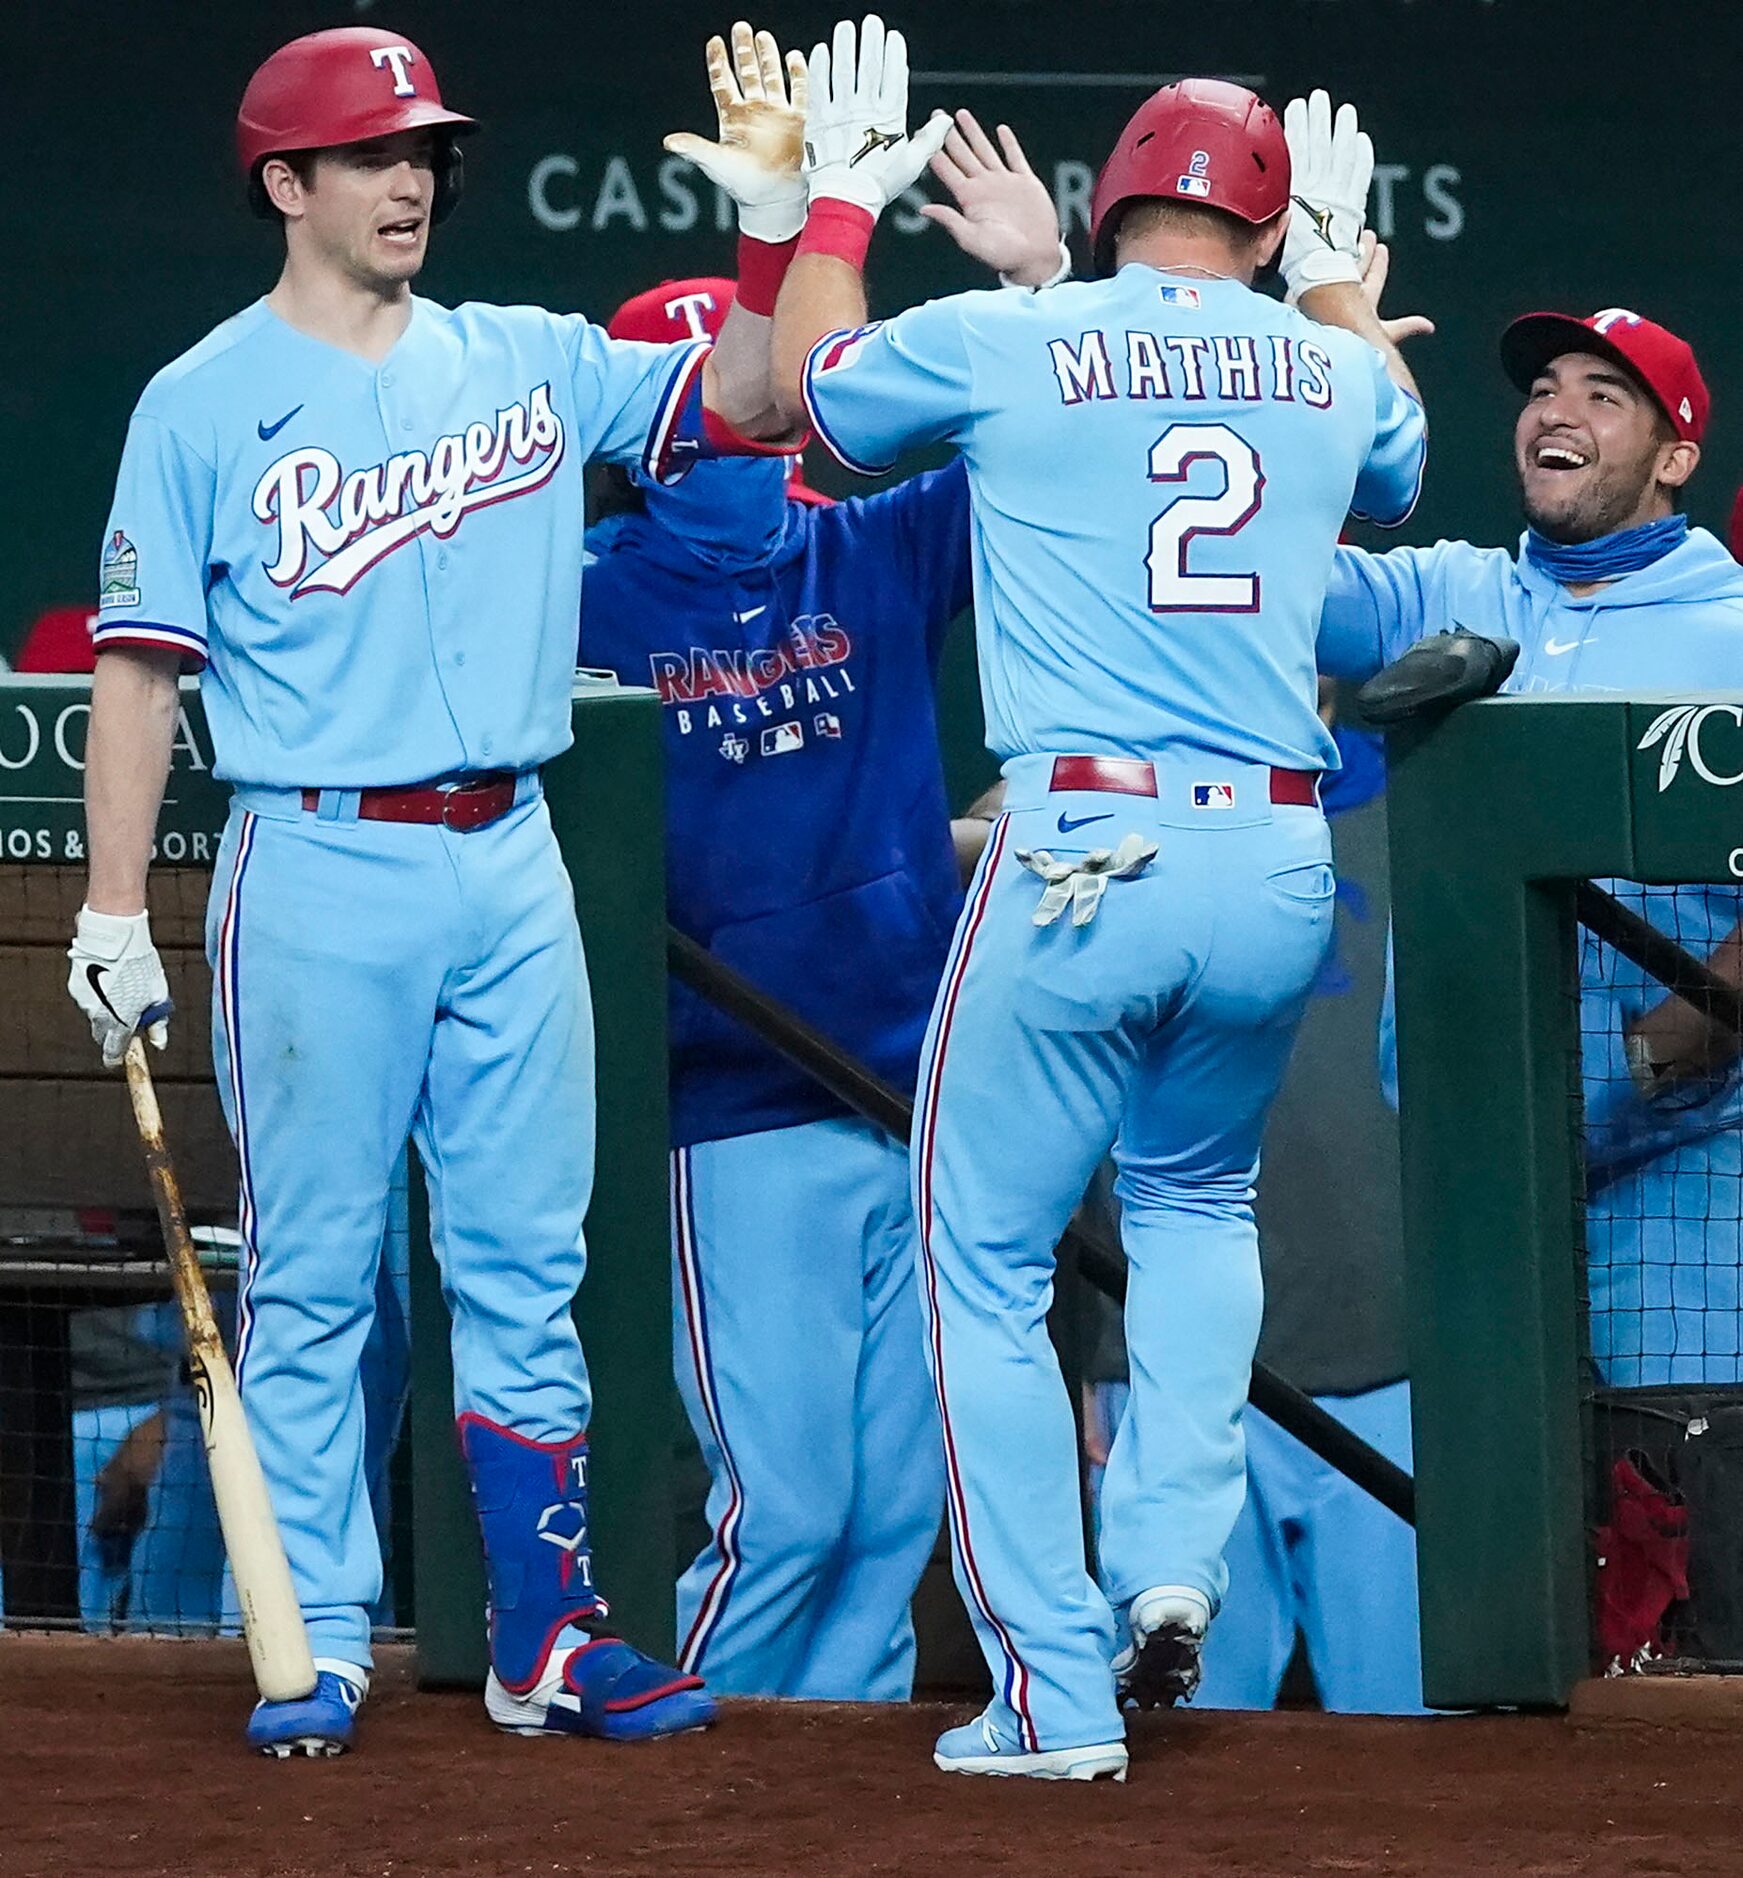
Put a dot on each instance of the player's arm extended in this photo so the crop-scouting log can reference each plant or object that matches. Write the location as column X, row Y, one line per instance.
column 1345, row 304
column 1327, row 257
column 759, row 102
column 135, row 701
column 858, row 158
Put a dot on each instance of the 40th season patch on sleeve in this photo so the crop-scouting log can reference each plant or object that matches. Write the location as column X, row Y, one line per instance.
column 118, row 584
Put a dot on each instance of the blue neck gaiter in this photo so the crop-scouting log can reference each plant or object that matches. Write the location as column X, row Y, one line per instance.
column 1610, row 556
column 729, row 513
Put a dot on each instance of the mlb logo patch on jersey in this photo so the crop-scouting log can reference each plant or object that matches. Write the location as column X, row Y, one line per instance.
column 826, row 724
column 1213, row 795
column 1179, row 296
column 778, row 739
column 119, row 583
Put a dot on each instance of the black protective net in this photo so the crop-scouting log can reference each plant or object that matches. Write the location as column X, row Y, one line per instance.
column 1663, row 1150
column 106, row 1514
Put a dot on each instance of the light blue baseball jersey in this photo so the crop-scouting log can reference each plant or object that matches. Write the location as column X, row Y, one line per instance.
column 1159, row 471
column 378, row 563
column 1674, row 626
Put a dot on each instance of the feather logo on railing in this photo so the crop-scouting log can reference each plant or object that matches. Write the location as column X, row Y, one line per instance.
column 1679, row 730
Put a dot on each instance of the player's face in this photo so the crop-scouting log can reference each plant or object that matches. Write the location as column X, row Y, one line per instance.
column 1590, row 449
column 367, row 207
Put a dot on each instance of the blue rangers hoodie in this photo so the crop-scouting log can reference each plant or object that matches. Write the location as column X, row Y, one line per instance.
column 794, row 648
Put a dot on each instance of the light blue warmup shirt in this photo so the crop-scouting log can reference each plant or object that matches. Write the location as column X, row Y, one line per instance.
column 1676, row 626
column 1135, row 590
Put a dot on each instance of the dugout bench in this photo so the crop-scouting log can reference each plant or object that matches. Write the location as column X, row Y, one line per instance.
column 1498, row 816
column 67, row 1142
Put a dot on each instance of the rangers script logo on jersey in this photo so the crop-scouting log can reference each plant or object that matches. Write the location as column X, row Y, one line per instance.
column 354, row 518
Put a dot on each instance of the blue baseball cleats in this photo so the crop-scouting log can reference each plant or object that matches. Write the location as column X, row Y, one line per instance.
column 321, row 1723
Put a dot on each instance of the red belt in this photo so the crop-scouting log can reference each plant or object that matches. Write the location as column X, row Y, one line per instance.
column 474, row 803
column 1128, row 776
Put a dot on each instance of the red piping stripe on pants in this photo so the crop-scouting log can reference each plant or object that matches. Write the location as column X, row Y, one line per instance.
column 713, row 1606
column 1016, row 1690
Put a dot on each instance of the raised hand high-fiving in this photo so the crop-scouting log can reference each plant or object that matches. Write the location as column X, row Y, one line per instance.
column 756, row 156
column 857, row 145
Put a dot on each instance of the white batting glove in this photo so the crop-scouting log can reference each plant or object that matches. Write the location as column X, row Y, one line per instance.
column 857, row 147
column 1331, row 163
column 117, row 981
column 761, row 108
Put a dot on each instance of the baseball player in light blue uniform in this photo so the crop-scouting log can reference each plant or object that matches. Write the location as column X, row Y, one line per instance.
column 1610, row 591
column 1159, row 465
column 794, row 643
column 358, row 512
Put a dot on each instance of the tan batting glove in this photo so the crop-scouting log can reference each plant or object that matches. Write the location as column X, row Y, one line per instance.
column 761, row 139
column 1080, row 882
column 117, row 980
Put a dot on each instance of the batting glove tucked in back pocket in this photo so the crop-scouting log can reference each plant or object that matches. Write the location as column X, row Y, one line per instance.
column 117, row 981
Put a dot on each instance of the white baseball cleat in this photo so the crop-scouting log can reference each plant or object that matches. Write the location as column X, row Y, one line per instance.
column 1160, row 1666
column 978, row 1748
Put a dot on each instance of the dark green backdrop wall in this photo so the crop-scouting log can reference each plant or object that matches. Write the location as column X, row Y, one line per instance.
column 1532, row 153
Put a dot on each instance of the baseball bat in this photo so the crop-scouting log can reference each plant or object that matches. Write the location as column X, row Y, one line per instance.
column 272, row 1622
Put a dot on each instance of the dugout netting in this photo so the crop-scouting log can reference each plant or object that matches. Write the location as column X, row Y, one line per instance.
column 106, row 1516
column 1572, row 1181
column 1663, row 1279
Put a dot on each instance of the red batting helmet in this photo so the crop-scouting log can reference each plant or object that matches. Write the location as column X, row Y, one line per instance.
column 344, row 86
column 1202, row 142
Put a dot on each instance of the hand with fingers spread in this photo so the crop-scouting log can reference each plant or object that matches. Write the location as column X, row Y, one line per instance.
column 857, row 145
column 1004, row 213
column 1331, row 162
column 760, row 100
column 1376, row 261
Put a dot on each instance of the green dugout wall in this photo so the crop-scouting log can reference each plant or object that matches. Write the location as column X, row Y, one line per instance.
column 610, row 780
column 1495, row 814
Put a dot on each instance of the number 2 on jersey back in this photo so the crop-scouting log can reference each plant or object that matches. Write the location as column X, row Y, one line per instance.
column 1172, row 588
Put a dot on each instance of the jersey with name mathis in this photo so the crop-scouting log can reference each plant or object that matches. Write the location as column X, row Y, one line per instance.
column 378, row 563
column 1159, row 468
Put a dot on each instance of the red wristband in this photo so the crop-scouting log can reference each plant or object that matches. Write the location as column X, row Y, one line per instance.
column 761, row 268
column 842, row 229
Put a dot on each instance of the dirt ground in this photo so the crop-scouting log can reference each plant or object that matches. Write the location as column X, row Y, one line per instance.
column 121, row 1758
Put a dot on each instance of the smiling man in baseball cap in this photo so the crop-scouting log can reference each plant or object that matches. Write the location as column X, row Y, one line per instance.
column 1611, row 591
column 1610, row 433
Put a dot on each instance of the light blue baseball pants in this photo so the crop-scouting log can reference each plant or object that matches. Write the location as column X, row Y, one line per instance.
column 373, row 979
column 798, row 1355
column 1160, row 1030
